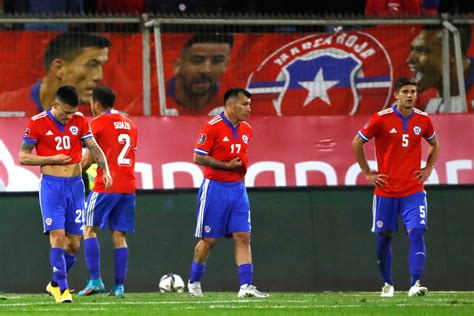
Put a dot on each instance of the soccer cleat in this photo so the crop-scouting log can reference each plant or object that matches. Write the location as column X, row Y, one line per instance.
column 387, row 290
column 249, row 290
column 53, row 290
column 118, row 290
column 417, row 290
column 194, row 289
column 65, row 297
column 93, row 287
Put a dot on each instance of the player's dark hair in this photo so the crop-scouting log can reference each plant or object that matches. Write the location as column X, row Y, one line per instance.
column 234, row 93
column 404, row 81
column 68, row 46
column 464, row 35
column 68, row 95
column 225, row 38
column 104, row 95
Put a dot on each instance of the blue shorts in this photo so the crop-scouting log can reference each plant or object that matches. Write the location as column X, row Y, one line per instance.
column 412, row 209
column 116, row 209
column 223, row 208
column 62, row 203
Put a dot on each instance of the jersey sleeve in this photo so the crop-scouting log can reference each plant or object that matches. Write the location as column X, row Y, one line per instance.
column 429, row 133
column 371, row 128
column 31, row 133
column 86, row 131
column 205, row 140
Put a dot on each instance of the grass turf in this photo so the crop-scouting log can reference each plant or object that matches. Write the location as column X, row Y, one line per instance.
column 227, row 303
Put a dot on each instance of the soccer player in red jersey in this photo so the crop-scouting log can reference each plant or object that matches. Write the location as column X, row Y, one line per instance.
column 399, row 190
column 116, row 134
column 223, row 209
column 58, row 135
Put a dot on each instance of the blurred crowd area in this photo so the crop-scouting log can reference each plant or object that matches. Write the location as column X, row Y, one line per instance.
column 283, row 7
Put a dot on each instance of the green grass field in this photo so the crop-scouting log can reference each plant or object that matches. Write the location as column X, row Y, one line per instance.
column 226, row 303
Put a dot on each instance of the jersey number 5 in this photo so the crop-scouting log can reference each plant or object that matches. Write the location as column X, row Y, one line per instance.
column 125, row 140
column 405, row 140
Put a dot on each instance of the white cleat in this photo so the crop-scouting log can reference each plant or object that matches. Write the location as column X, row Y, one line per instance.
column 417, row 290
column 194, row 289
column 249, row 290
column 387, row 290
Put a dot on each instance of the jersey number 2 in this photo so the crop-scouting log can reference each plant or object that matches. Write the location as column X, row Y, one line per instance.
column 125, row 140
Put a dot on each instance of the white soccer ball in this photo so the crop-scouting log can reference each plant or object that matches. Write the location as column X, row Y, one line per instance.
column 170, row 283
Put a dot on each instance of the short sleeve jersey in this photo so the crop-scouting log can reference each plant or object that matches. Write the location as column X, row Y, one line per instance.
column 116, row 135
column 51, row 137
column 222, row 141
column 398, row 148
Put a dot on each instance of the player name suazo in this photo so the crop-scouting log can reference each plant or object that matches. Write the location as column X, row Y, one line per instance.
column 121, row 125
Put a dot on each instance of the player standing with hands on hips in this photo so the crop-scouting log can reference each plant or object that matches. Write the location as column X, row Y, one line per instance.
column 58, row 135
column 399, row 188
column 223, row 206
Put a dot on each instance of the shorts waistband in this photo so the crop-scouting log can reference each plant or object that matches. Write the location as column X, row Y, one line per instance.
column 227, row 184
column 61, row 179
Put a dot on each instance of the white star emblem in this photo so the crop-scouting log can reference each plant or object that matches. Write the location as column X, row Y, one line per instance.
column 318, row 88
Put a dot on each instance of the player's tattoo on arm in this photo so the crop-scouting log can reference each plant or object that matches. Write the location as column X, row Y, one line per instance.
column 26, row 147
column 208, row 161
column 97, row 153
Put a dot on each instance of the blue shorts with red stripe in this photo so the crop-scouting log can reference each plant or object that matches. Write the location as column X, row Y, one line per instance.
column 62, row 203
column 115, row 209
column 223, row 208
column 412, row 209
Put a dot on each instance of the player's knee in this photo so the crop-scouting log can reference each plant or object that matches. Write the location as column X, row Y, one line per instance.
column 416, row 234
column 90, row 232
column 57, row 238
column 242, row 238
column 209, row 242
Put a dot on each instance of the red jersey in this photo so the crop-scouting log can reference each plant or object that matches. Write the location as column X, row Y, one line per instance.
column 398, row 148
column 50, row 137
column 116, row 134
column 223, row 142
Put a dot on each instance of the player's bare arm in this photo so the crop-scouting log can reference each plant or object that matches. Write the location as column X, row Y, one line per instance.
column 377, row 179
column 208, row 161
column 99, row 157
column 27, row 158
column 424, row 173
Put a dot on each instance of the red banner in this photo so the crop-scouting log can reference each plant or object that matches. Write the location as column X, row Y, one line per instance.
column 299, row 151
column 289, row 74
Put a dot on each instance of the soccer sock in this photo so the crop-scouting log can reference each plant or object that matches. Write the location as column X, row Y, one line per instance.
column 59, row 267
column 70, row 260
column 417, row 256
column 245, row 273
column 121, row 264
column 92, row 254
column 197, row 270
column 384, row 257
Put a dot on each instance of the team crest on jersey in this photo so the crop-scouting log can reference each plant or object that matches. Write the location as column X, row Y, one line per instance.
column 379, row 224
column 417, row 130
column 49, row 221
column 74, row 130
column 342, row 73
column 202, row 139
column 245, row 139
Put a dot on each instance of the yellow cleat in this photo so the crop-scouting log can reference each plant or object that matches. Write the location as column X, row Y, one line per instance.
column 65, row 297
column 59, row 297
